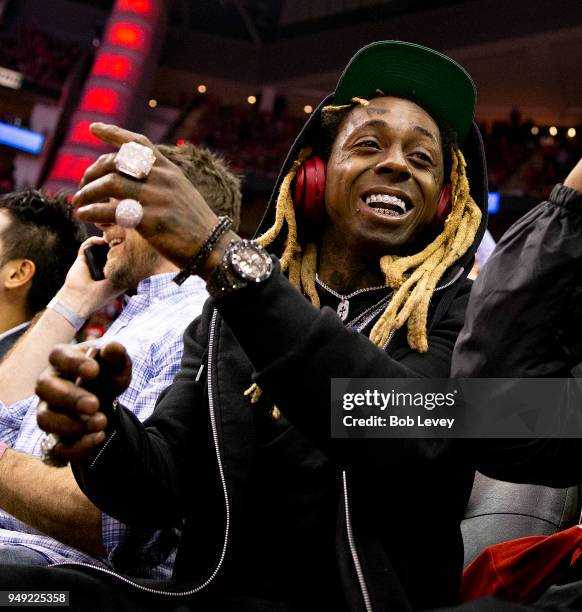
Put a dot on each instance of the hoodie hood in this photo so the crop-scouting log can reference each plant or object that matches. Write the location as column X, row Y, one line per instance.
column 472, row 149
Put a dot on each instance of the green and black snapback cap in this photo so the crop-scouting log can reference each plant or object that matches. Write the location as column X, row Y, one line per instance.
column 406, row 70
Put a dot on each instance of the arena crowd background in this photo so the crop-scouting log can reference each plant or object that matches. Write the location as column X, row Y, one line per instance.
column 240, row 76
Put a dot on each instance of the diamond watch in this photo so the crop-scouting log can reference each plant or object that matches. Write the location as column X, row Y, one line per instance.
column 244, row 263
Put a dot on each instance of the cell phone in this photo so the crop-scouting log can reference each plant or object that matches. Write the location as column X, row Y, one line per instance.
column 96, row 256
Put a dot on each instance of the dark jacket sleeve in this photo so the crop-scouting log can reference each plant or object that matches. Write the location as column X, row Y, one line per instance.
column 523, row 321
column 523, row 318
column 149, row 474
column 146, row 473
column 296, row 350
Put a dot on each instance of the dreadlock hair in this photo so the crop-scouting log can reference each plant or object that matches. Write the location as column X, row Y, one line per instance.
column 413, row 278
column 41, row 229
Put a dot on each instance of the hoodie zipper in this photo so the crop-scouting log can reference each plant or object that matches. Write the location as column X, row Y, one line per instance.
column 350, row 533
column 453, row 280
column 220, row 561
column 353, row 549
column 102, row 450
column 349, row 529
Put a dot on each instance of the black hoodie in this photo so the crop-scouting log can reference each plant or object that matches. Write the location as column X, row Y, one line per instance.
column 274, row 514
column 262, row 503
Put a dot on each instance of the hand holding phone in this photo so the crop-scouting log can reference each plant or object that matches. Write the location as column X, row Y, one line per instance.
column 51, row 440
column 78, row 399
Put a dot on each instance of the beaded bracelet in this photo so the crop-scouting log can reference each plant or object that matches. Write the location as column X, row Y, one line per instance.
column 194, row 265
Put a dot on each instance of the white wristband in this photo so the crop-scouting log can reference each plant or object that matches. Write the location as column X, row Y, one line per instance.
column 74, row 318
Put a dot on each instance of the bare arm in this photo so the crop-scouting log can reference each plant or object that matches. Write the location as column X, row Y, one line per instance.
column 49, row 500
column 574, row 179
column 21, row 368
column 29, row 357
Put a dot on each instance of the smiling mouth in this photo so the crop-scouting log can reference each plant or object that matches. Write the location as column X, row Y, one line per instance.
column 115, row 242
column 387, row 205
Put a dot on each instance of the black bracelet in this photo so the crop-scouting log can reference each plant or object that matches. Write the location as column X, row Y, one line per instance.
column 194, row 265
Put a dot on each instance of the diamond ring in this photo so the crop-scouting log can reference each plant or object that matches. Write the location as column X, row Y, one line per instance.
column 134, row 160
column 128, row 213
column 47, row 446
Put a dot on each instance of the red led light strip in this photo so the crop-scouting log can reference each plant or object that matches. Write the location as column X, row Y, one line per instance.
column 112, row 64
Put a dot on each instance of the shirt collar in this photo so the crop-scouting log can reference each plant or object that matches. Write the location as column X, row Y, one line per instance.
column 13, row 330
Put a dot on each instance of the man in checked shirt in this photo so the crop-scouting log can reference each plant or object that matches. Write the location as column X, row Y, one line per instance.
column 44, row 516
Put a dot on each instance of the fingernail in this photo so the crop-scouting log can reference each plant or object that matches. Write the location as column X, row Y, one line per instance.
column 80, row 212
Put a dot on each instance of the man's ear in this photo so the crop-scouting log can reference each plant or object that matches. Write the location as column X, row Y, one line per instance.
column 17, row 272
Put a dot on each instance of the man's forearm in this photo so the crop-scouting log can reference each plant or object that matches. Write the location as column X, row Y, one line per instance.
column 29, row 357
column 49, row 500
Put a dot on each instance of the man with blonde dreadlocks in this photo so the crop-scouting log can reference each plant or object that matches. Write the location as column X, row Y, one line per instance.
column 275, row 514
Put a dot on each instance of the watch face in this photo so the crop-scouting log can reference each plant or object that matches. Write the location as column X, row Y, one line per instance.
column 251, row 262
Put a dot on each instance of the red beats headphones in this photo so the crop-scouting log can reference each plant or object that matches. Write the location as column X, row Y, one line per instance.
column 444, row 206
column 309, row 197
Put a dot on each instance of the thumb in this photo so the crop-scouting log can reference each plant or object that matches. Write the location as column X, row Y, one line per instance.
column 116, row 366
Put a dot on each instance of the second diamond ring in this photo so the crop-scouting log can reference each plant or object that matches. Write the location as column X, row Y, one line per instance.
column 128, row 213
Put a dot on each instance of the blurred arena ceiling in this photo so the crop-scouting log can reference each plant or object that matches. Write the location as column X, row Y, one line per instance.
column 521, row 53
column 266, row 21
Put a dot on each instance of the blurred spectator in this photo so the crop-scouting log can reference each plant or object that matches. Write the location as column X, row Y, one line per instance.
column 255, row 142
column 38, row 243
column 100, row 321
column 526, row 160
column 39, row 57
